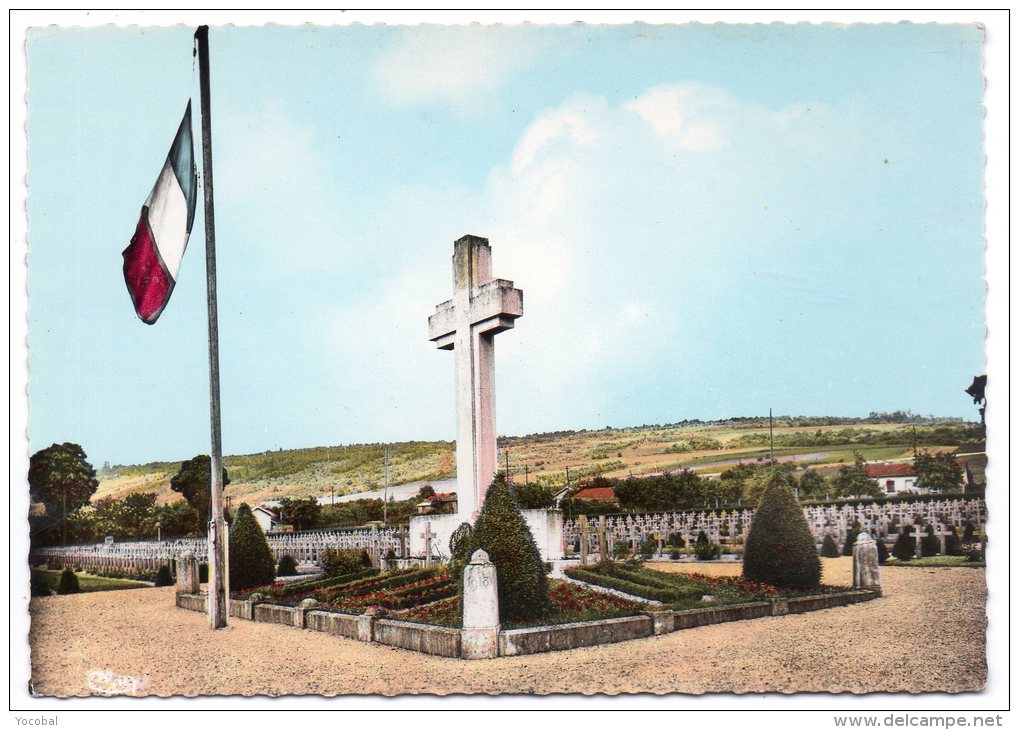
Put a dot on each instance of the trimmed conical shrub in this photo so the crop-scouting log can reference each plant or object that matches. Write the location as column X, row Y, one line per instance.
column 904, row 547
column 287, row 566
column 828, row 548
column 780, row 549
column 251, row 562
column 163, row 577
column 952, row 544
column 68, row 582
column 502, row 533
column 929, row 544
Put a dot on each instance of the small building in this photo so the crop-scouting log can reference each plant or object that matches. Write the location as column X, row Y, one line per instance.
column 894, row 478
column 438, row 504
column 268, row 518
column 601, row 494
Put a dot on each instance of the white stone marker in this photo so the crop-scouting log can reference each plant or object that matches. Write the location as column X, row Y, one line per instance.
column 481, row 308
column 866, row 571
column 480, row 637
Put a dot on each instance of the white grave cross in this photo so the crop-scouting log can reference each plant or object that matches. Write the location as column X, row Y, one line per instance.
column 481, row 307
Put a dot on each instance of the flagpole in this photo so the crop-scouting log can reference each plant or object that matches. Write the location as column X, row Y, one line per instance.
column 218, row 539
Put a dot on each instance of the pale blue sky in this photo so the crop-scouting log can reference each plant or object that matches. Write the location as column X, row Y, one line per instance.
column 706, row 221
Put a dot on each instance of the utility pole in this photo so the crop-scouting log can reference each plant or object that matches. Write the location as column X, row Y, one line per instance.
column 385, row 493
column 771, row 434
column 505, row 453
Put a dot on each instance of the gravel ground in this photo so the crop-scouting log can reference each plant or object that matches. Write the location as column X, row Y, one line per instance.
column 926, row 635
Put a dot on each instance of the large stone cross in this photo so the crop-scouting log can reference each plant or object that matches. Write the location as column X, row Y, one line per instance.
column 481, row 308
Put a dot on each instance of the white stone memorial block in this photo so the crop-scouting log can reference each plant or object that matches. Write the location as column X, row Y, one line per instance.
column 480, row 638
column 866, row 571
column 481, row 308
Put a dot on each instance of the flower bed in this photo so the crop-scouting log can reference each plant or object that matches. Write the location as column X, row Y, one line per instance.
column 568, row 603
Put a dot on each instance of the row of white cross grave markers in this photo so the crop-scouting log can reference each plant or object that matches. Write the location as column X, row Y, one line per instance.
column 308, row 547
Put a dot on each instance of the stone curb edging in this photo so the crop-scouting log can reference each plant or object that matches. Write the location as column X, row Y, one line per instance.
column 447, row 642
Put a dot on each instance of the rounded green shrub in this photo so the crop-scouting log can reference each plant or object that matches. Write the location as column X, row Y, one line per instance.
column 501, row 532
column 704, row 549
column 343, row 561
column 286, row 566
column 969, row 533
column 780, row 550
column 251, row 562
column 164, row 577
column 620, row 550
column 674, row 553
column 68, row 583
column 828, row 548
column 648, row 547
column 905, row 546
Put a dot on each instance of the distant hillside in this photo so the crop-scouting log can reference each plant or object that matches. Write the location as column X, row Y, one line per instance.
column 708, row 448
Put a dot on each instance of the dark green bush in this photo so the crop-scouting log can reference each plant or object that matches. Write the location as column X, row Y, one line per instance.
column 203, row 572
column 904, row 547
column 882, row 551
column 674, row 553
column 620, row 550
column 676, row 540
column 851, row 533
column 163, row 577
column 704, row 549
column 780, row 549
column 969, row 533
column 390, row 559
column 460, row 542
column 68, row 583
column 952, row 544
column 648, row 547
column 341, row 561
column 251, row 562
column 929, row 544
column 828, row 548
column 286, row 566
column 502, row 532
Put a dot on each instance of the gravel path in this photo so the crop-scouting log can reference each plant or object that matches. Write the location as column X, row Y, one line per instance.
column 926, row 635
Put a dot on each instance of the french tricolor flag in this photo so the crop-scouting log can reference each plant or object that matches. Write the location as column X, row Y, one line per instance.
column 152, row 260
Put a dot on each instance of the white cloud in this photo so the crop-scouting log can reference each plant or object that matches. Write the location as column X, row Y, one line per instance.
column 454, row 63
column 691, row 114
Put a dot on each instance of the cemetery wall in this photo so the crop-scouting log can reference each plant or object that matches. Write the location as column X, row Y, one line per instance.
column 545, row 525
column 514, row 642
column 418, row 637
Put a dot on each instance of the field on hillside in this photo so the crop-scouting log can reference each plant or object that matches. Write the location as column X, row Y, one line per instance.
column 705, row 448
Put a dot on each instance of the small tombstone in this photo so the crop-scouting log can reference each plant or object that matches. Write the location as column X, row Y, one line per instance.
column 480, row 638
column 866, row 572
column 109, row 539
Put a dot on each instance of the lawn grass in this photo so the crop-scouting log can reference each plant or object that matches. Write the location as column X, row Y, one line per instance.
column 47, row 580
column 936, row 561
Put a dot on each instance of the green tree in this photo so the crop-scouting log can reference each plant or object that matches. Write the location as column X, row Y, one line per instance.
column 535, row 496
column 194, row 481
column 811, row 484
column 759, row 480
column 303, row 513
column 178, row 519
column 501, row 532
column 251, row 562
column 937, row 472
column 780, row 549
column 62, row 479
column 852, row 481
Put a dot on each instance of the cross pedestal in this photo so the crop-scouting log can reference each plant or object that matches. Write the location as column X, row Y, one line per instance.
column 481, row 308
